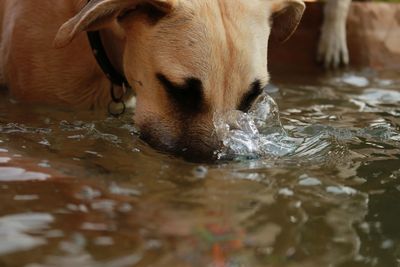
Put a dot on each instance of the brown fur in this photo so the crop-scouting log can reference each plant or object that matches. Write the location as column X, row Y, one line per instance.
column 223, row 43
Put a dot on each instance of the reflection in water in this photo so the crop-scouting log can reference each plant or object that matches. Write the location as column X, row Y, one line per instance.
column 376, row 97
column 17, row 231
column 74, row 254
column 4, row 159
column 8, row 174
column 313, row 185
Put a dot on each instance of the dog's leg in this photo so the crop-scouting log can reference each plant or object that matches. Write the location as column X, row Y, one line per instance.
column 332, row 49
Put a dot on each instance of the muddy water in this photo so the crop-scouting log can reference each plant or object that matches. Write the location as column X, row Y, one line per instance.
column 80, row 189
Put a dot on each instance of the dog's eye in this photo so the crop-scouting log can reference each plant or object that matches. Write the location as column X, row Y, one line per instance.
column 188, row 97
column 251, row 95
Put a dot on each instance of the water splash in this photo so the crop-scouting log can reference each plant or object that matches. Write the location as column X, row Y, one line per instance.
column 260, row 134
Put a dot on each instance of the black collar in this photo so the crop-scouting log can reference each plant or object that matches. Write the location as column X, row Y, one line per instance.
column 104, row 62
column 117, row 105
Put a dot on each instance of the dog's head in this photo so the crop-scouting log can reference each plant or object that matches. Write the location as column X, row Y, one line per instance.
column 189, row 59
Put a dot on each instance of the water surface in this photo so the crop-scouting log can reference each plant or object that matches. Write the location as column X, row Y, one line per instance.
column 80, row 189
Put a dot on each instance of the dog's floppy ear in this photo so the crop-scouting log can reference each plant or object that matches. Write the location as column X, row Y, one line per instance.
column 286, row 16
column 98, row 13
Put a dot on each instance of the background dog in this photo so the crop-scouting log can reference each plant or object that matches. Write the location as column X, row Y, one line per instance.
column 332, row 49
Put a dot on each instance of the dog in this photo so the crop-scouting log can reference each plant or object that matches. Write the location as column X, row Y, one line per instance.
column 332, row 48
column 185, row 60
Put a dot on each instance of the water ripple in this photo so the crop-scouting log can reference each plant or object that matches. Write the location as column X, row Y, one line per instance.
column 20, row 128
column 87, row 130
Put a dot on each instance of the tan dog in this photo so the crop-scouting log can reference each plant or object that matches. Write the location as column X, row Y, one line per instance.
column 185, row 59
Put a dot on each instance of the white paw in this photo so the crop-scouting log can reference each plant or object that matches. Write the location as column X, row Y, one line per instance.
column 332, row 48
column 131, row 102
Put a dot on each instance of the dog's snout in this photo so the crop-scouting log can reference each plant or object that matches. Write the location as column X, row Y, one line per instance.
column 196, row 142
column 197, row 147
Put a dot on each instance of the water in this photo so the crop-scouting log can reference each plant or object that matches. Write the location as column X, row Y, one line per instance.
column 315, row 184
column 260, row 134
